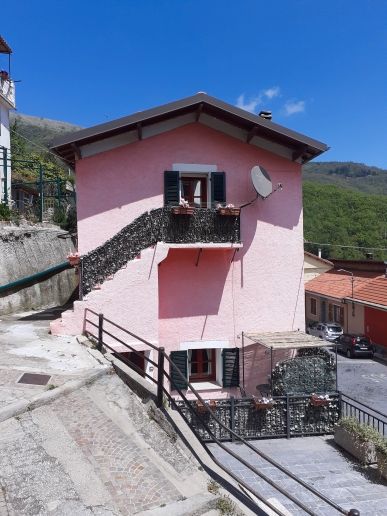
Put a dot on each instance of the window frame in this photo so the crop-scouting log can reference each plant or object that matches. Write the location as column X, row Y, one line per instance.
column 200, row 376
column 313, row 301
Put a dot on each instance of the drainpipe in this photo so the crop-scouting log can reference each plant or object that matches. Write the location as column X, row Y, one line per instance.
column 35, row 278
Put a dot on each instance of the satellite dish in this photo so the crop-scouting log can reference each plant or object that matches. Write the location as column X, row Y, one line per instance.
column 261, row 181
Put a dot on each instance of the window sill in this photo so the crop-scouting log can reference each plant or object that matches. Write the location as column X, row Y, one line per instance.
column 205, row 386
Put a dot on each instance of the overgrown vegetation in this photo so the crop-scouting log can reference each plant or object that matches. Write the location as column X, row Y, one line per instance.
column 338, row 216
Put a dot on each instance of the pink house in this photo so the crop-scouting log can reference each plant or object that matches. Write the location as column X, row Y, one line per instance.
column 192, row 283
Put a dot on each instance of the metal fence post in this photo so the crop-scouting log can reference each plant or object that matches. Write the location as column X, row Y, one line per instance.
column 5, row 168
column 160, row 378
column 232, row 416
column 41, row 201
column 287, row 416
column 100, row 332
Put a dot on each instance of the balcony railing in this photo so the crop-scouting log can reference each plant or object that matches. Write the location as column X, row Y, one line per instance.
column 7, row 90
column 161, row 225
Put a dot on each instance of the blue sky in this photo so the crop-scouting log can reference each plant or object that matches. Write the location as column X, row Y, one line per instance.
column 320, row 66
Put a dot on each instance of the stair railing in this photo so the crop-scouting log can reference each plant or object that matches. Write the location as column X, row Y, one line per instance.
column 162, row 390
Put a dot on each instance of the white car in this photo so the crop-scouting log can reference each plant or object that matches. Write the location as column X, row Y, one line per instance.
column 326, row 331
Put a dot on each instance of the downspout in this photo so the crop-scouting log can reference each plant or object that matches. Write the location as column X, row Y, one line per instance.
column 35, row 278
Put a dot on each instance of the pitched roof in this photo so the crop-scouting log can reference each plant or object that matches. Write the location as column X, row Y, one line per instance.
column 4, row 47
column 302, row 146
column 338, row 285
column 315, row 257
column 374, row 292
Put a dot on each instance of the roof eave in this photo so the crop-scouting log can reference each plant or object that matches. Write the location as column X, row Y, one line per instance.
column 304, row 147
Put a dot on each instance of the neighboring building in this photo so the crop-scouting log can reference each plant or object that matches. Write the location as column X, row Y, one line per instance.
column 314, row 266
column 7, row 102
column 191, row 283
column 356, row 298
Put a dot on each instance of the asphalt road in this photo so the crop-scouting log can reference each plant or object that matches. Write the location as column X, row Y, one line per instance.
column 365, row 380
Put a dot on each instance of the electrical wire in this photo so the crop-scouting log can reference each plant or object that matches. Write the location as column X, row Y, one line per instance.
column 46, row 149
column 347, row 246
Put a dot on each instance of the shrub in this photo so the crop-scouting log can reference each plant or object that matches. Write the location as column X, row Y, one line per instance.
column 5, row 212
column 362, row 433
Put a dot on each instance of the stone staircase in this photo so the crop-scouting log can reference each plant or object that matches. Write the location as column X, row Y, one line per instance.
column 97, row 451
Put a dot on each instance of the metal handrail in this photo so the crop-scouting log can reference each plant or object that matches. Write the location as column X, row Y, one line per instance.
column 364, row 417
column 206, row 427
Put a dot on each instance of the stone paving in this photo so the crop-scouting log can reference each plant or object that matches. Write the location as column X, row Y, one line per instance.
column 317, row 461
column 93, row 451
column 86, row 453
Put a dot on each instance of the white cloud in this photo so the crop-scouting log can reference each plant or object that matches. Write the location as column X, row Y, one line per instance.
column 294, row 106
column 248, row 105
column 272, row 92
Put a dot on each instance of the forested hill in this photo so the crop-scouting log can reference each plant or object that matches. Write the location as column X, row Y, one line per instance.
column 354, row 176
column 337, row 216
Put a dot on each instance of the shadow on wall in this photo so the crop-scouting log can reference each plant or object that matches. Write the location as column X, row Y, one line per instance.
column 184, row 287
column 258, row 367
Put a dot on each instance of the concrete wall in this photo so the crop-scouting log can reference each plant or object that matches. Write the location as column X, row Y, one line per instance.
column 27, row 250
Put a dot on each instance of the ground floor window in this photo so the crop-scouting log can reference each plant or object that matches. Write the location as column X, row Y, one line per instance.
column 313, row 306
column 201, row 365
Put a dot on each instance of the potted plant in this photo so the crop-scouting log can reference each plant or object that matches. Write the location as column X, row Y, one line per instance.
column 263, row 403
column 183, row 209
column 74, row 259
column 358, row 440
column 228, row 210
column 319, row 400
column 381, row 456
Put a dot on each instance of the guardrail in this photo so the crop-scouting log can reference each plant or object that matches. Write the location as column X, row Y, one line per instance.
column 364, row 414
column 101, row 325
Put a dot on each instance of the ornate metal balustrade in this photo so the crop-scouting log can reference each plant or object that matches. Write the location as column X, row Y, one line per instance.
column 290, row 416
column 160, row 225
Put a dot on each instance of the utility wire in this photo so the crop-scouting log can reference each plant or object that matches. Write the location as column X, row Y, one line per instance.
column 347, row 246
column 46, row 149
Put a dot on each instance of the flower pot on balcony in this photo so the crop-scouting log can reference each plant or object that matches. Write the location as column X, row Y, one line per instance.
column 319, row 401
column 201, row 407
column 229, row 212
column 74, row 259
column 262, row 404
column 181, row 210
column 364, row 451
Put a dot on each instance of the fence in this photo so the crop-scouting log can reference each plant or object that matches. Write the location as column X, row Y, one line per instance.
column 364, row 414
column 102, row 330
column 289, row 416
column 43, row 198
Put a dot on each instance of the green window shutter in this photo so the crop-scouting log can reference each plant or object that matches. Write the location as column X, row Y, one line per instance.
column 171, row 188
column 180, row 359
column 230, row 367
column 218, row 187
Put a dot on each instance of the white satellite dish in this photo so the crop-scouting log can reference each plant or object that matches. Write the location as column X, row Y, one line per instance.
column 261, row 181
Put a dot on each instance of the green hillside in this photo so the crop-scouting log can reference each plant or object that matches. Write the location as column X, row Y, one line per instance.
column 30, row 141
column 349, row 175
column 339, row 216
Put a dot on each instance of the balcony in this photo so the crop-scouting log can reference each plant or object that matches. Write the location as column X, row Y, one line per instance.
column 7, row 91
column 205, row 225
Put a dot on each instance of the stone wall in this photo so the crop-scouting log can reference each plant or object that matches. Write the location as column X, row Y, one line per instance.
column 26, row 250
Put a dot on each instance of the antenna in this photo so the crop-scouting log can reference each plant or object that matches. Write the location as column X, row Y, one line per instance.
column 261, row 181
column 262, row 184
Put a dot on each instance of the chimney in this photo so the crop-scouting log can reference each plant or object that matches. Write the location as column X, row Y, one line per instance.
column 265, row 114
column 319, row 252
column 369, row 256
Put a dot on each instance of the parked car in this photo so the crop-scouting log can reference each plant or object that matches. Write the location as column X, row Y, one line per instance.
column 326, row 331
column 355, row 345
column 311, row 326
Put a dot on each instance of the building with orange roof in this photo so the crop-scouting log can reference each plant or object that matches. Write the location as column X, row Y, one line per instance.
column 353, row 294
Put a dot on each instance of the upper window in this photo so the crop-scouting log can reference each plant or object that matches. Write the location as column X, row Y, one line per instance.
column 194, row 190
column 313, row 306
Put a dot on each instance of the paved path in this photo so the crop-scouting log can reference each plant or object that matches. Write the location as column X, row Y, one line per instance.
column 93, row 451
column 27, row 347
column 317, row 461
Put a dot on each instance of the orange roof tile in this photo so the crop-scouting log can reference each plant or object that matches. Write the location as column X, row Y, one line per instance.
column 374, row 292
column 339, row 284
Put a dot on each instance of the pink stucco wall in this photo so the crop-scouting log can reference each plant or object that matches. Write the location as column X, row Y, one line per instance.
column 261, row 290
